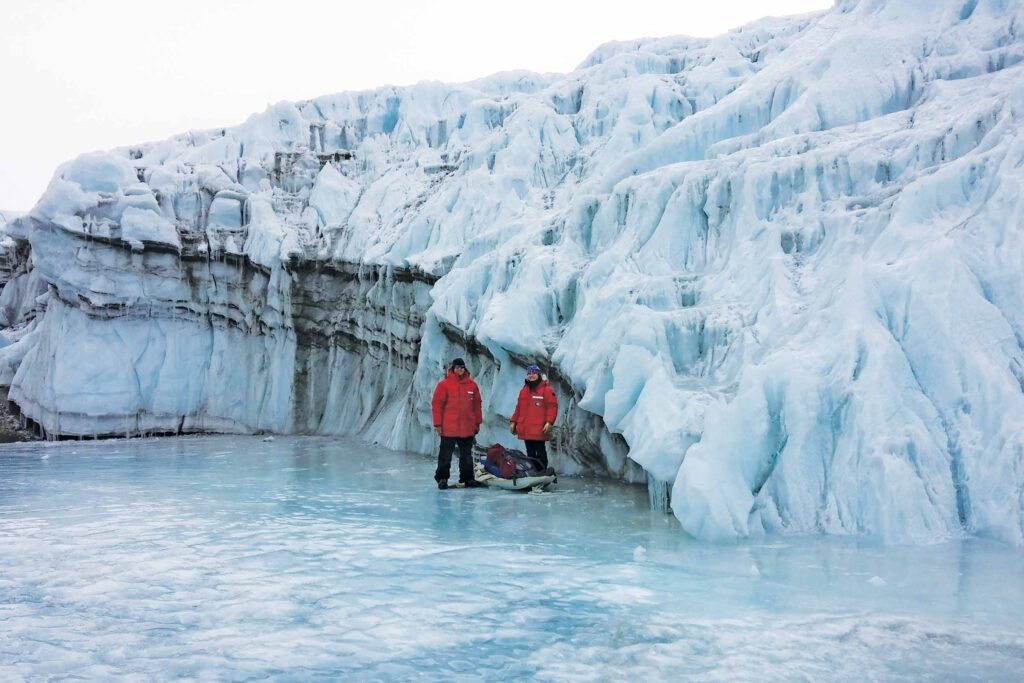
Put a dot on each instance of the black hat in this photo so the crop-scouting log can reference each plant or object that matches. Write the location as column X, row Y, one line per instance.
column 458, row 363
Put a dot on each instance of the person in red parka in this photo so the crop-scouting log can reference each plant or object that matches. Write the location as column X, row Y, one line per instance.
column 457, row 417
column 535, row 415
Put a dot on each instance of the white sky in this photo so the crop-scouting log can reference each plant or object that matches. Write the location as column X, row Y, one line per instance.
column 82, row 75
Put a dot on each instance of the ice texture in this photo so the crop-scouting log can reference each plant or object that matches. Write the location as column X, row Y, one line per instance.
column 777, row 274
column 22, row 296
column 315, row 558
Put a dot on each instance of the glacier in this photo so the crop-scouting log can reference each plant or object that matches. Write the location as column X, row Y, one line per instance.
column 776, row 274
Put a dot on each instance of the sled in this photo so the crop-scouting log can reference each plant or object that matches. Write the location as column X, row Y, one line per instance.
column 525, row 483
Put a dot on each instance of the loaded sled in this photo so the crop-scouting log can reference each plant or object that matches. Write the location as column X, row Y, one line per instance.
column 510, row 469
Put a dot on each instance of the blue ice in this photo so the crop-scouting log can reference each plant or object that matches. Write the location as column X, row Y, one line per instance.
column 234, row 558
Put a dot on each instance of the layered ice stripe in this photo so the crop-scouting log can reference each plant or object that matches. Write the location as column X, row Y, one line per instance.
column 776, row 274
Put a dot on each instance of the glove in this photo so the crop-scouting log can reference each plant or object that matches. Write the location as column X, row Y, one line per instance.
column 547, row 427
column 512, row 427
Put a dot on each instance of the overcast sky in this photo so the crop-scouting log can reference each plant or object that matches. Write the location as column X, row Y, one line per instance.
column 82, row 75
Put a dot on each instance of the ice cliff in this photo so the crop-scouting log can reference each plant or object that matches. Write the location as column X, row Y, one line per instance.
column 776, row 274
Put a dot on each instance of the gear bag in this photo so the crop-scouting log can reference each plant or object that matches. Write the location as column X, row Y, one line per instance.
column 499, row 462
column 509, row 463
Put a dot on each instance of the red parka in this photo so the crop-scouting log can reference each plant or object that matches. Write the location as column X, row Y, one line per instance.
column 456, row 406
column 534, row 408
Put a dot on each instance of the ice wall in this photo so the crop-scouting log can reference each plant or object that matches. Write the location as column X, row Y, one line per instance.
column 22, row 296
column 777, row 274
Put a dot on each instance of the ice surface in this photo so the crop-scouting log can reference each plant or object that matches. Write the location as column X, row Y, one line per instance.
column 776, row 274
column 305, row 558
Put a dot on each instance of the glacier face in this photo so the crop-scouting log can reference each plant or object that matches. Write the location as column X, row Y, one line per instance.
column 776, row 273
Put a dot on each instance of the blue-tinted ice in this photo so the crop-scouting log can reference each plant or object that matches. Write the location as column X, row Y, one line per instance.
column 306, row 558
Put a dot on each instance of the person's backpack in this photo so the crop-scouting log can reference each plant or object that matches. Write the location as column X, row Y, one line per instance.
column 509, row 463
column 500, row 462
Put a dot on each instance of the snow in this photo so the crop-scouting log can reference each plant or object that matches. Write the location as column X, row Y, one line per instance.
column 333, row 197
column 322, row 558
column 775, row 274
column 138, row 226
column 99, row 172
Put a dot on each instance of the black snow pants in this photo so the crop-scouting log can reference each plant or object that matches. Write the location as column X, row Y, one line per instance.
column 444, row 458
